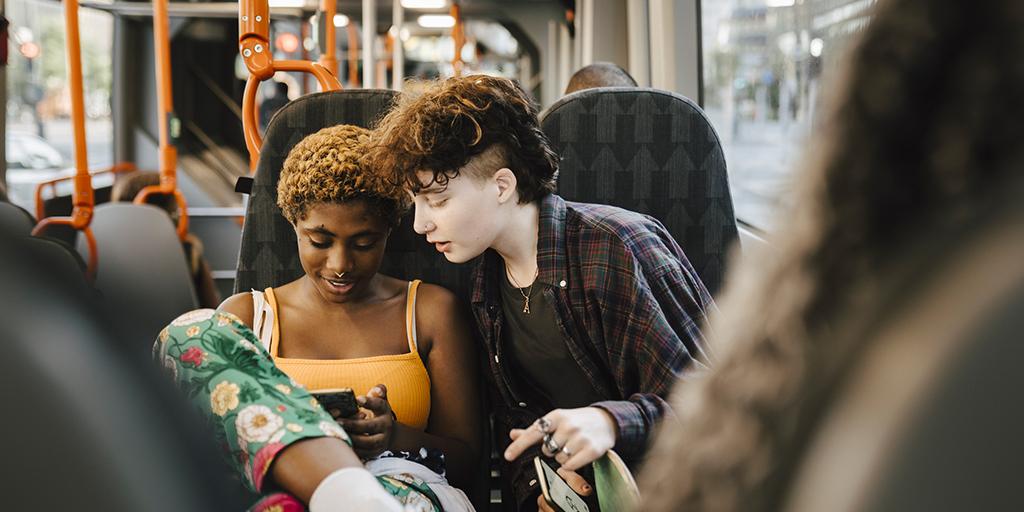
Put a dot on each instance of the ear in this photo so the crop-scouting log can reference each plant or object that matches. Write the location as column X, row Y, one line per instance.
column 506, row 181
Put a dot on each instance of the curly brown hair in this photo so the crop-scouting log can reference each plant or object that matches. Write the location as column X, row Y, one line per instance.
column 917, row 141
column 324, row 168
column 448, row 123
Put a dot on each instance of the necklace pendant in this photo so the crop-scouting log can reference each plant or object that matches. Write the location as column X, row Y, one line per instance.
column 526, row 306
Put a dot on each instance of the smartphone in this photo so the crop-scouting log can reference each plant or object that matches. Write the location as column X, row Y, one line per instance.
column 339, row 403
column 556, row 492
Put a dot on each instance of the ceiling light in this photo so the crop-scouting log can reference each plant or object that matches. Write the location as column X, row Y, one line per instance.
column 287, row 3
column 340, row 20
column 436, row 21
column 424, row 4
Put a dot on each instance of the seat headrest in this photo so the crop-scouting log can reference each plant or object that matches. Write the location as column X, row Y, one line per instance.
column 652, row 152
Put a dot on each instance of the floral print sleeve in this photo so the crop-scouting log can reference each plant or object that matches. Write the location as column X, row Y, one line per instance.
column 255, row 410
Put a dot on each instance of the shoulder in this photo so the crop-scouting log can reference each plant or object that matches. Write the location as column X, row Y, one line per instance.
column 240, row 305
column 438, row 313
column 435, row 299
column 611, row 235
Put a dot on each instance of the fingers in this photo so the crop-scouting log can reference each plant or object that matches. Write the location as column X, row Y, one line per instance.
column 585, row 456
column 378, row 406
column 575, row 481
column 523, row 439
column 365, row 426
column 542, row 505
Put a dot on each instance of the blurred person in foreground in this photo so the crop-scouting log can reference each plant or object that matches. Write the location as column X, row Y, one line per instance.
column 923, row 134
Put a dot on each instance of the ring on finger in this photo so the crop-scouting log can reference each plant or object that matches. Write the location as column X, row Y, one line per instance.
column 551, row 444
column 566, row 451
column 544, row 425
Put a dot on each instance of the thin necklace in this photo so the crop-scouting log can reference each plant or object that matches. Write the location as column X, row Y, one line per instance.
column 529, row 291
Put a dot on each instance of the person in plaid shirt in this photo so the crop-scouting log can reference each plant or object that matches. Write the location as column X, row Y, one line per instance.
column 589, row 313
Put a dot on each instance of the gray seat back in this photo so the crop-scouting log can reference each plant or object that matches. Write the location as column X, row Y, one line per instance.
column 652, row 152
column 15, row 219
column 268, row 255
column 141, row 271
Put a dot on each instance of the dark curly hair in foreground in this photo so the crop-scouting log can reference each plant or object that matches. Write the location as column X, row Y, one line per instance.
column 448, row 123
column 923, row 133
column 324, row 168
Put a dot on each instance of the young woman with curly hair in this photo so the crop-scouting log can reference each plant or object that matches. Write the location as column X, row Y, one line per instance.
column 401, row 346
column 590, row 313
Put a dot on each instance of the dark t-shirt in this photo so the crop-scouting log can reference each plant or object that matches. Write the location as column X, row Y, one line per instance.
column 537, row 347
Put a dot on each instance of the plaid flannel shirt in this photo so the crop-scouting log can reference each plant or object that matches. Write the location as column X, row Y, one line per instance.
column 629, row 306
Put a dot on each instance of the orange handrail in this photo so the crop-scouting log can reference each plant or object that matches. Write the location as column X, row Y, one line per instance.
column 328, row 59
column 254, row 45
column 459, row 38
column 82, row 198
column 118, row 168
column 168, row 153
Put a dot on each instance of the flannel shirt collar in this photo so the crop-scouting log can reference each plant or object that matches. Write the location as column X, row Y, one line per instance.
column 551, row 259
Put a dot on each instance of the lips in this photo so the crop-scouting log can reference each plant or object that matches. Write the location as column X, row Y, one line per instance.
column 339, row 285
column 442, row 246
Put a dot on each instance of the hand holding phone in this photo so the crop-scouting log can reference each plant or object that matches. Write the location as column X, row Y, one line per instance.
column 556, row 493
column 339, row 403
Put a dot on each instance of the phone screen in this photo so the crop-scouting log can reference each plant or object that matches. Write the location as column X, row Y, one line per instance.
column 556, row 491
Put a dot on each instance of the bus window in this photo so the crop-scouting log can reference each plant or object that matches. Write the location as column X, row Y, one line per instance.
column 40, row 144
column 762, row 77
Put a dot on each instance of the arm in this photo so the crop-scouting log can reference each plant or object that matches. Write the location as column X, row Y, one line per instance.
column 454, row 424
column 240, row 305
column 653, row 308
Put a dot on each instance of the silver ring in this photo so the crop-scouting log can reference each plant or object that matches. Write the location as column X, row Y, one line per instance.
column 544, row 425
column 565, row 450
column 551, row 444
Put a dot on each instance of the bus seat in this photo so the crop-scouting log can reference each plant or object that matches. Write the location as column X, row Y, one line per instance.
column 653, row 152
column 91, row 429
column 141, row 270
column 268, row 254
column 616, row 489
column 928, row 415
column 16, row 219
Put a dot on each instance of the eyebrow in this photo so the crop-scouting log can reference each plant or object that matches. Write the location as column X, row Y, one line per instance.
column 321, row 230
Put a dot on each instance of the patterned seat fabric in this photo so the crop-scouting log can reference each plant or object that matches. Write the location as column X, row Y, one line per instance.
column 268, row 254
column 653, row 152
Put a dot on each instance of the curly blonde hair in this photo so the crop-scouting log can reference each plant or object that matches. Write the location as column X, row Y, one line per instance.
column 324, row 168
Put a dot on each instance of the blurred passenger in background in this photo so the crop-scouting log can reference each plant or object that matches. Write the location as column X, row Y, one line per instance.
column 599, row 74
column 922, row 138
column 127, row 187
column 270, row 106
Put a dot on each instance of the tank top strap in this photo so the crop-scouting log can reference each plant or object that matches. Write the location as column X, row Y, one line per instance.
column 263, row 318
column 271, row 328
column 410, row 316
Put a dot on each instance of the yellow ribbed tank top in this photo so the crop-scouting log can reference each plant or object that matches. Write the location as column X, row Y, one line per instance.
column 404, row 375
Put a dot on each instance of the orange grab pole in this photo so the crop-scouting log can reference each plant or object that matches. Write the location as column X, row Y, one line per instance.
column 328, row 58
column 254, row 45
column 82, row 198
column 120, row 167
column 459, row 38
column 168, row 153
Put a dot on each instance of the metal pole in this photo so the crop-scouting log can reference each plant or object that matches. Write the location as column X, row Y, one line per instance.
column 3, row 96
column 398, row 48
column 369, row 34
